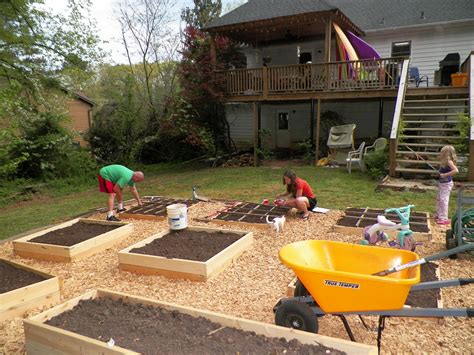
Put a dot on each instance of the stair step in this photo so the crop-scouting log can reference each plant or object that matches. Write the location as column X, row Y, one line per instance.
column 432, row 129
column 431, row 121
column 432, row 107
column 418, row 171
column 431, row 137
column 437, row 100
column 423, row 162
column 426, row 145
column 432, row 114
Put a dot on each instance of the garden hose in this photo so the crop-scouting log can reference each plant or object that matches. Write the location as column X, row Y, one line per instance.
column 467, row 221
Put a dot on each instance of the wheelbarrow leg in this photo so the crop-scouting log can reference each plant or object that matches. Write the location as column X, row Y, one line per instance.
column 379, row 332
column 348, row 328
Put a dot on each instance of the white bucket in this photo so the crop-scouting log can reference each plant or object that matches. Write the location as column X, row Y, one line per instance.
column 177, row 216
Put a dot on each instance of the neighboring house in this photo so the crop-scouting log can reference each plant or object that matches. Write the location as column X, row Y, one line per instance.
column 80, row 113
column 292, row 74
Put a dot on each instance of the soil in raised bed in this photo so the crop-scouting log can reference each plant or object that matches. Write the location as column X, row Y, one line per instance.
column 425, row 298
column 153, row 330
column 12, row 277
column 348, row 222
column 419, row 228
column 188, row 244
column 157, row 207
column 76, row 233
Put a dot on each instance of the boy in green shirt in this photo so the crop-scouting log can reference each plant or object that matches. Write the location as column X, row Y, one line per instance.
column 112, row 180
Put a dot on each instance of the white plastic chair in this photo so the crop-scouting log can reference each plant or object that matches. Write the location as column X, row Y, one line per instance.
column 356, row 156
column 379, row 144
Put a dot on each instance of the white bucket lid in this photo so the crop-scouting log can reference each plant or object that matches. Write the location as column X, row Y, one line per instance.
column 176, row 206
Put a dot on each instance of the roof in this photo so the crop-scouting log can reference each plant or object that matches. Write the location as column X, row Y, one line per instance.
column 81, row 96
column 366, row 14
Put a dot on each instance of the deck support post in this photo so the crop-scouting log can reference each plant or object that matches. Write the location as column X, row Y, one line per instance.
column 212, row 46
column 318, row 124
column 255, row 134
column 470, row 71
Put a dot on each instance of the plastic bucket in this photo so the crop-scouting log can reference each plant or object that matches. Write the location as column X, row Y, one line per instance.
column 177, row 216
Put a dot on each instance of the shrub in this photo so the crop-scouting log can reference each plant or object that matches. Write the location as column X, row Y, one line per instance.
column 377, row 163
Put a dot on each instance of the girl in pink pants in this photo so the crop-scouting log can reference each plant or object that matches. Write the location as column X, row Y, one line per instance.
column 447, row 169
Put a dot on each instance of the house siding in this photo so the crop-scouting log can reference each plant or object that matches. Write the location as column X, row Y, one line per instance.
column 429, row 45
column 79, row 118
column 364, row 113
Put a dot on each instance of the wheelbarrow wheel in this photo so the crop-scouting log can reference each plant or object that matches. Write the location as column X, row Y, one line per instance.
column 296, row 315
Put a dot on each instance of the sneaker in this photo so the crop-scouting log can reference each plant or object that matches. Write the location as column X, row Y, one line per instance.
column 113, row 219
column 443, row 222
column 121, row 210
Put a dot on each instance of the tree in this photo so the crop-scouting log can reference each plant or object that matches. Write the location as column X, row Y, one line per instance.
column 202, row 13
column 35, row 46
column 202, row 88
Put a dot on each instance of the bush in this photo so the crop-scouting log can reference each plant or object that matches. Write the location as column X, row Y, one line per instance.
column 377, row 163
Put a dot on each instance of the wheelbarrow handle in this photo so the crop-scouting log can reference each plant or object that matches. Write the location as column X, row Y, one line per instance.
column 444, row 254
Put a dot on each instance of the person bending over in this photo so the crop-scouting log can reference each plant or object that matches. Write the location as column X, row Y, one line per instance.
column 112, row 180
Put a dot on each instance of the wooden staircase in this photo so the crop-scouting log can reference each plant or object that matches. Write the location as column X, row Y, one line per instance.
column 428, row 122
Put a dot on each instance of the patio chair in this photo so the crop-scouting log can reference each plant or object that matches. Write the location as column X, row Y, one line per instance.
column 379, row 144
column 416, row 78
column 356, row 156
column 340, row 141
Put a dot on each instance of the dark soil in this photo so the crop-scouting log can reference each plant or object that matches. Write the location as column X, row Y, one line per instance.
column 152, row 330
column 425, row 298
column 188, row 244
column 420, row 228
column 12, row 278
column 348, row 222
column 252, row 213
column 157, row 206
column 74, row 234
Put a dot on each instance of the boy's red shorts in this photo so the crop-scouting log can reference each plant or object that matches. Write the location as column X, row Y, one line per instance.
column 105, row 185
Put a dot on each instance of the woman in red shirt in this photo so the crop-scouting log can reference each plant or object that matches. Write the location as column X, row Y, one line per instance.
column 298, row 194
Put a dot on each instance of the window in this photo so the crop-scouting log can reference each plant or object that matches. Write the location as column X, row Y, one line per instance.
column 283, row 121
column 401, row 49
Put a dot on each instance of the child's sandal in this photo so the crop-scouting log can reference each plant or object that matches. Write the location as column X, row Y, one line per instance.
column 305, row 218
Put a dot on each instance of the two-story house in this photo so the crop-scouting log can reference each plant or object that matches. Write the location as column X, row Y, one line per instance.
column 298, row 68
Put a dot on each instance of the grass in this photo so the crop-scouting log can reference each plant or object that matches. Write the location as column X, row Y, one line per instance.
column 334, row 189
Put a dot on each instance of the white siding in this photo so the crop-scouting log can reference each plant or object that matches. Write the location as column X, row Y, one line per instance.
column 428, row 45
column 240, row 118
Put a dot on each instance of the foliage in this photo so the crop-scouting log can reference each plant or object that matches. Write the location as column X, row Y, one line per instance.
column 463, row 125
column 377, row 163
column 264, row 152
column 202, row 88
column 36, row 47
column 306, row 149
column 203, row 12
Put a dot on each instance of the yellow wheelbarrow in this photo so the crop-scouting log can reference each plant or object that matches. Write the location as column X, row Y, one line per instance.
column 343, row 279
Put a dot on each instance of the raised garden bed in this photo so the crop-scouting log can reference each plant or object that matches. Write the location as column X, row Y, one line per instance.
column 154, row 208
column 87, row 323
column 23, row 288
column 247, row 213
column 356, row 219
column 72, row 240
column 194, row 253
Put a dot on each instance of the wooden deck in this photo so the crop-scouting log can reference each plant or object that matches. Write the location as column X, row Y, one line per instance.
column 333, row 80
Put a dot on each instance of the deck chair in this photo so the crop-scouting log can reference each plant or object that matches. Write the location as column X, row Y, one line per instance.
column 340, row 142
column 357, row 157
column 416, row 78
column 379, row 144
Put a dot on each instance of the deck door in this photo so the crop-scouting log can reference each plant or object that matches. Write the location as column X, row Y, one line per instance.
column 283, row 133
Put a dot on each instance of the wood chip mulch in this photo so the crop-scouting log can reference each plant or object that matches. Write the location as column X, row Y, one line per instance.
column 251, row 285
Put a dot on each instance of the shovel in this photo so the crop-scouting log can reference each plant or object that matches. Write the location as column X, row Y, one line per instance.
column 460, row 249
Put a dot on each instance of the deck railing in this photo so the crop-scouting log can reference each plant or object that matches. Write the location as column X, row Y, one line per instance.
column 470, row 72
column 336, row 76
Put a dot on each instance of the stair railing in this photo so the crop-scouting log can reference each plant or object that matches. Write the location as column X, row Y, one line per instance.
column 470, row 71
column 397, row 117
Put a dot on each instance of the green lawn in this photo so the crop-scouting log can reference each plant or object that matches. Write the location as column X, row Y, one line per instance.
column 334, row 189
